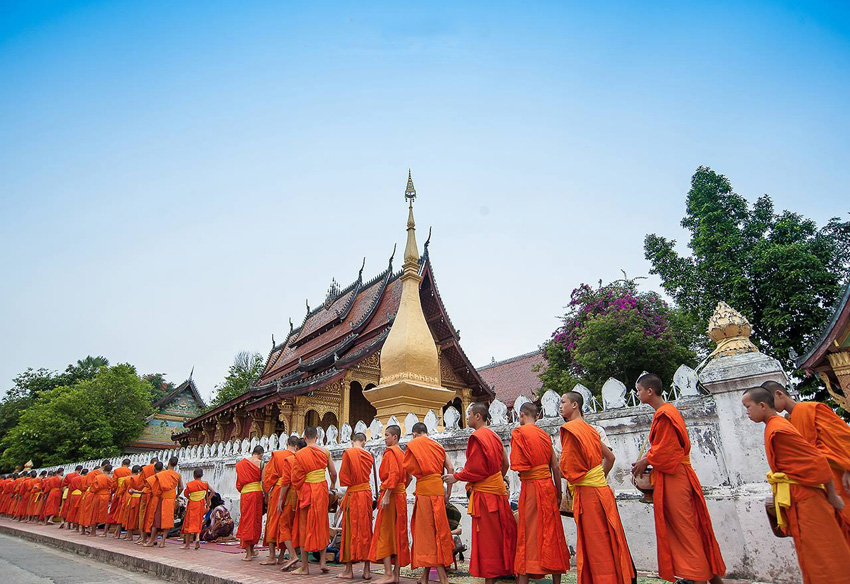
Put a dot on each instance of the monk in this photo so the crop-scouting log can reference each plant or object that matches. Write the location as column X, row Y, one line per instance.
column 493, row 524
column 287, row 504
column 432, row 539
column 72, row 516
column 22, row 485
column 807, row 504
column 66, row 493
column 5, row 492
column 541, row 547
column 121, row 476
column 53, row 494
column 354, row 474
column 168, row 484
column 198, row 492
column 687, row 548
column 37, row 497
column 823, row 429
column 101, row 489
column 130, row 515
column 389, row 539
column 87, row 502
column 271, row 486
column 312, row 533
column 602, row 553
column 147, row 472
column 248, row 484
column 151, row 487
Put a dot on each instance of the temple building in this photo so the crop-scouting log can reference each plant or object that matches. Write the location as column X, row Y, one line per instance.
column 329, row 370
column 171, row 412
column 829, row 356
column 511, row 378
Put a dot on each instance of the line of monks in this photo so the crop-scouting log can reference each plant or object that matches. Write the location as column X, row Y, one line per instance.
column 808, row 453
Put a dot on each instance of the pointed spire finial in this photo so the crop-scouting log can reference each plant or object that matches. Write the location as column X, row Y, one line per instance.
column 192, row 372
column 360, row 274
column 273, row 343
column 410, row 191
column 291, row 326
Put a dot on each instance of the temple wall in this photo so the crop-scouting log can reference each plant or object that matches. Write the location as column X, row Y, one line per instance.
column 727, row 455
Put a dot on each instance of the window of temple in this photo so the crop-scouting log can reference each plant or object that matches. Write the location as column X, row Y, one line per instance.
column 311, row 418
column 359, row 407
column 328, row 420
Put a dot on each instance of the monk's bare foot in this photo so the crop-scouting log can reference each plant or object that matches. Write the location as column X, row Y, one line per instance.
column 255, row 554
column 367, row 576
column 301, row 571
column 162, row 544
column 288, row 565
column 150, row 544
column 185, row 546
column 248, row 559
column 269, row 562
column 346, row 575
column 197, row 545
column 385, row 580
column 324, row 569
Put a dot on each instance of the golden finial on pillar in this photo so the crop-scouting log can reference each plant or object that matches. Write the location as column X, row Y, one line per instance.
column 731, row 331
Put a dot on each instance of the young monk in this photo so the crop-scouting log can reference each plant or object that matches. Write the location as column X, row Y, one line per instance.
column 72, row 516
column 250, row 489
column 153, row 489
column 389, row 539
column 66, row 492
column 37, row 497
column 198, row 492
column 22, row 484
column 130, row 515
column 432, row 539
column 53, row 493
column 147, row 472
column 354, row 474
column 687, row 547
column 121, row 476
column 87, row 501
column 493, row 524
column 287, row 503
column 308, row 476
column 823, row 429
column 169, row 483
column 271, row 486
column 101, row 488
column 602, row 553
column 541, row 547
column 807, row 503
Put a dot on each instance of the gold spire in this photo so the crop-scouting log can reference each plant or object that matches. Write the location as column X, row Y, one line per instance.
column 731, row 331
column 411, row 250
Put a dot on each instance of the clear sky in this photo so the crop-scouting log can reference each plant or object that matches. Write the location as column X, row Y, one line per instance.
column 177, row 177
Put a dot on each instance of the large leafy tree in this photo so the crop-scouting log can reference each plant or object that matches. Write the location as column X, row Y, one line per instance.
column 246, row 368
column 779, row 269
column 615, row 331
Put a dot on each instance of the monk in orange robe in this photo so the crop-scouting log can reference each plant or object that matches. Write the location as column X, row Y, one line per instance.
column 198, row 492
column 66, row 494
column 493, row 524
column 168, row 484
column 152, row 487
column 22, row 486
column 823, row 429
column 389, row 539
column 354, row 474
column 37, row 497
column 271, row 486
column 101, row 490
column 541, row 546
column 121, row 476
column 312, row 533
column 87, row 502
column 148, row 471
column 602, row 553
column 53, row 496
column 687, row 547
column 248, row 484
column 807, row 504
column 287, row 504
column 432, row 539
column 4, row 493
column 75, row 496
column 130, row 515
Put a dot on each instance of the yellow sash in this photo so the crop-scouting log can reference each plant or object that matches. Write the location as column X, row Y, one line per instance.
column 65, row 493
column 134, row 496
column 780, row 484
column 494, row 484
column 279, row 482
column 430, row 486
column 358, row 488
column 251, row 488
column 197, row 495
column 595, row 477
column 315, row 476
column 121, row 480
column 535, row 473
column 76, row 492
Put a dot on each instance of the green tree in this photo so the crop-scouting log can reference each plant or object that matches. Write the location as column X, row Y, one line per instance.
column 778, row 269
column 159, row 386
column 246, row 368
column 615, row 331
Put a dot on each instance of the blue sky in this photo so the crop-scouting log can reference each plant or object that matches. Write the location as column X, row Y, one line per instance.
column 176, row 178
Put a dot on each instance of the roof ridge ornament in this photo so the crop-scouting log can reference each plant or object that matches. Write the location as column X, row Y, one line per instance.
column 191, row 373
column 410, row 191
column 360, row 273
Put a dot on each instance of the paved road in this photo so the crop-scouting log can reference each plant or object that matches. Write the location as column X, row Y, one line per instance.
column 23, row 562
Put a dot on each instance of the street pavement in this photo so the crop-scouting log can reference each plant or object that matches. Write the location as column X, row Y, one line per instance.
column 24, row 562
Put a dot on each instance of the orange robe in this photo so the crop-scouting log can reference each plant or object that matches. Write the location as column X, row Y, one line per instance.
column 75, row 495
column 101, row 489
column 147, row 472
column 250, row 503
column 121, row 475
column 22, row 487
column 168, row 481
column 271, row 485
column 53, row 496
column 686, row 544
column 36, row 497
column 4, row 495
column 823, row 429
column 493, row 524
column 286, row 520
column 66, row 494
column 313, row 531
column 193, row 519
column 390, row 535
column 87, row 502
column 130, row 519
column 822, row 552
column 354, row 474
column 602, row 553
column 432, row 538
column 541, row 547
column 152, row 487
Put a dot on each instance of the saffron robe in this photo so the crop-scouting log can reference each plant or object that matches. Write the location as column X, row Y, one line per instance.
column 686, row 544
column 250, row 504
column 286, row 519
column 147, row 472
column 75, row 495
column 121, row 475
column 822, row 551
column 193, row 519
column 541, row 546
column 19, row 505
column 66, row 494
column 53, row 496
column 823, row 429
column 271, row 479
column 493, row 524
column 101, row 488
column 602, row 553
column 36, row 497
column 152, row 487
column 4, row 495
column 130, row 518
column 432, row 537
column 87, row 501
column 168, row 481
column 354, row 474
column 390, row 535
column 313, row 531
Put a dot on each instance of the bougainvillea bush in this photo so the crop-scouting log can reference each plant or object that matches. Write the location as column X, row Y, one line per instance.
column 614, row 330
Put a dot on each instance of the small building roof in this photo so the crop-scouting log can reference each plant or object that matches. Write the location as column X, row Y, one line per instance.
column 834, row 336
column 514, row 377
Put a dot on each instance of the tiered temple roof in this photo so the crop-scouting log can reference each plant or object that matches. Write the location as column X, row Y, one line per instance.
column 513, row 377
